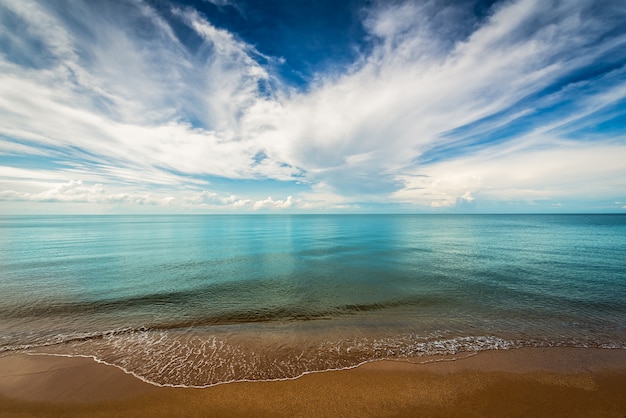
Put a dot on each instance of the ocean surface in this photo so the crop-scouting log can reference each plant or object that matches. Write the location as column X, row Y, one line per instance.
column 202, row 300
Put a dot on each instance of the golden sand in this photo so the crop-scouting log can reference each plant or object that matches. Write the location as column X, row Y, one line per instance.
column 551, row 382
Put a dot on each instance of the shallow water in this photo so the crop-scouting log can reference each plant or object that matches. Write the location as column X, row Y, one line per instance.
column 199, row 300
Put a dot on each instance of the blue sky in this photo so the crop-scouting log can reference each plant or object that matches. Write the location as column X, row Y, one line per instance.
column 225, row 106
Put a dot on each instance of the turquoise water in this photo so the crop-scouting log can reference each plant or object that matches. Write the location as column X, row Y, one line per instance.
column 199, row 300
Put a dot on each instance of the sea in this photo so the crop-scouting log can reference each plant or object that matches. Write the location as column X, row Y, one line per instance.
column 199, row 300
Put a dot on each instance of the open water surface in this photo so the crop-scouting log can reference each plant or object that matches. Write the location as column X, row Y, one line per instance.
column 201, row 300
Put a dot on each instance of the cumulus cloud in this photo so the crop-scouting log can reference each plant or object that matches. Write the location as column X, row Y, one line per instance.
column 76, row 192
column 513, row 174
column 271, row 203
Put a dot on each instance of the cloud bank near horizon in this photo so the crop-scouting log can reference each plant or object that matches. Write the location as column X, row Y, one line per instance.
column 121, row 106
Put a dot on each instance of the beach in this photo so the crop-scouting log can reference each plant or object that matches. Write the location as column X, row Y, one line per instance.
column 313, row 316
column 523, row 382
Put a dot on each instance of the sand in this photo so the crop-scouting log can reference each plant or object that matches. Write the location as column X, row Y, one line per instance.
column 549, row 382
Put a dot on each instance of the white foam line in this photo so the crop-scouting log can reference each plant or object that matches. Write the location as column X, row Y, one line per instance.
column 171, row 385
column 280, row 379
column 446, row 358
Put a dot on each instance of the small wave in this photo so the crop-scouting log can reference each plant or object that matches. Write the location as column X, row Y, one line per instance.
column 167, row 306
column 67, row 338
column 167, row 358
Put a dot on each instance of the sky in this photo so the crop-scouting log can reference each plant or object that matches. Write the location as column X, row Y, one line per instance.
column 303, row 106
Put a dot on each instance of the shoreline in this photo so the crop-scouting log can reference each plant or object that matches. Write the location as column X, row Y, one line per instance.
column 553, row 381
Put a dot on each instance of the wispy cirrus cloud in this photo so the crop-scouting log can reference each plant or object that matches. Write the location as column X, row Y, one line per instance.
column 438, row 111
column 370, row 126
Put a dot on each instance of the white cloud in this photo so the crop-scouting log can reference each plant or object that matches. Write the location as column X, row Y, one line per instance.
column 209, row 199
column 221, row 2
column 123, row 98
column 273, row 204
column 75, row 191
column 360, row 133
column 501, row 174
column 126, row 105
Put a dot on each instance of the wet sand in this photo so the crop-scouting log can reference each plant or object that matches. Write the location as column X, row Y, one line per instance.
column 565, row 382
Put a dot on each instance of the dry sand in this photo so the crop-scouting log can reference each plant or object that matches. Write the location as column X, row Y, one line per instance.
column 549, row 382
